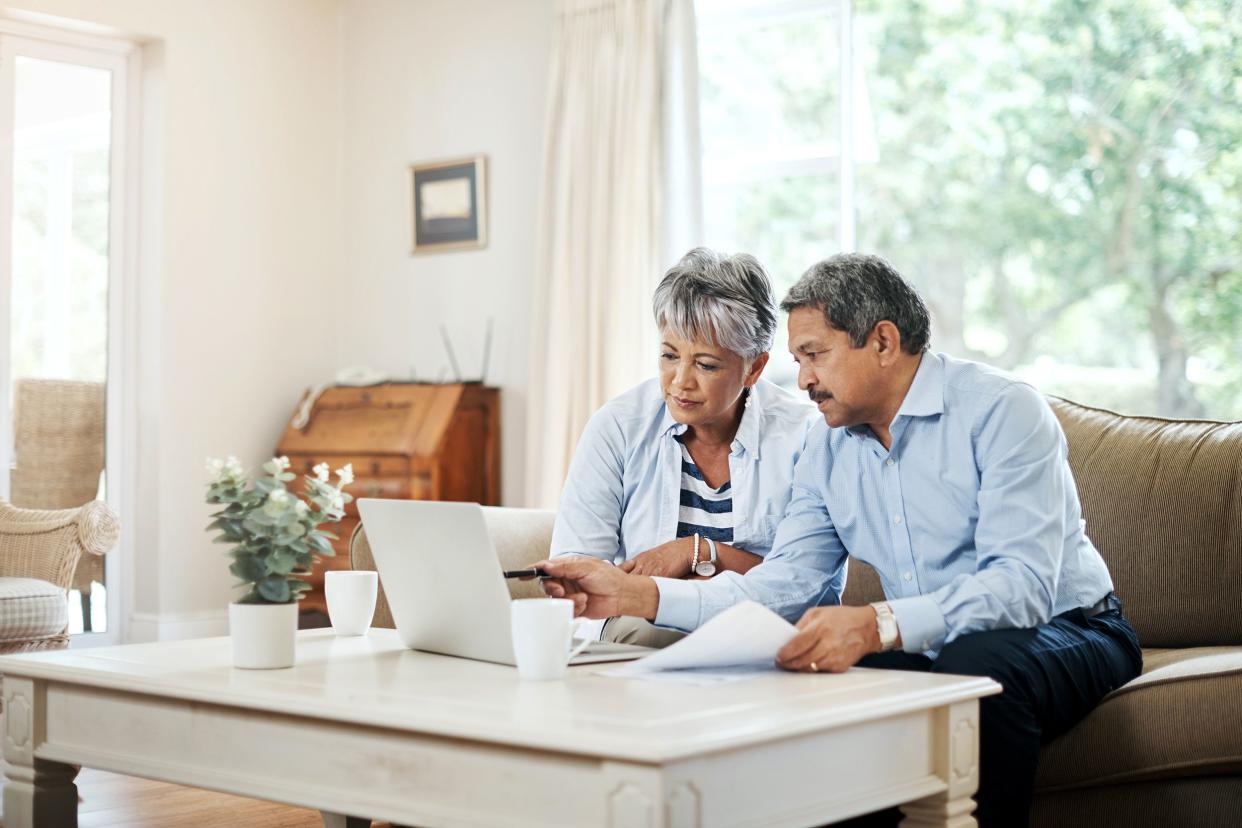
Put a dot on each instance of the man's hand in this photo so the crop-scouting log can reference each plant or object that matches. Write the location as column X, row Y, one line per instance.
column 668, row 560
column 831, row 640
column 599, row 589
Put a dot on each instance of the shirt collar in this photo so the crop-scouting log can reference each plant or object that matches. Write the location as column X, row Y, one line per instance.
column 747, row 431
column 925, row 396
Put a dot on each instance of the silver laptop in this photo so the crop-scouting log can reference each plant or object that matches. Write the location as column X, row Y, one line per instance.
column 444, row 582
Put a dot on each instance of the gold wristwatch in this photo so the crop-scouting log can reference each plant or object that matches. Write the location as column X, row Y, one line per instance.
column 886, row 625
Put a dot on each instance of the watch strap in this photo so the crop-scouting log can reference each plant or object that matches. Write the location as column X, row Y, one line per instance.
column 886, row 625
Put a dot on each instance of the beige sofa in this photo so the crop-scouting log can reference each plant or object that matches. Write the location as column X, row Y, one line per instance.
column 1163, row 503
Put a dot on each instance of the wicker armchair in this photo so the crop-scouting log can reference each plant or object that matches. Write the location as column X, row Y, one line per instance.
column 58, row 441
column 39, row 551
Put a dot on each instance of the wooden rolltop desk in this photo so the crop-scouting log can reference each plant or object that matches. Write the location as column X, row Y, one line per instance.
column 412, row 441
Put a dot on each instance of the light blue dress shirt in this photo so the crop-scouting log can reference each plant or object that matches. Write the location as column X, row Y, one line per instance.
column 972, row 519
column 623, row 492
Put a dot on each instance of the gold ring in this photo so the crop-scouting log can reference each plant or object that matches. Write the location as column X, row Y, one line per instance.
column 814, row 667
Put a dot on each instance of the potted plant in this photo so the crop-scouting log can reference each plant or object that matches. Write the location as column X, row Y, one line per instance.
column 275, row 537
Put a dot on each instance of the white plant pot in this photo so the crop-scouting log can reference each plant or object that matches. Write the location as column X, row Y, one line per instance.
column 263, row 635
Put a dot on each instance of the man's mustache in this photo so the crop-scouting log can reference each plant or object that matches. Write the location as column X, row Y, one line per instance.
column 818, row 397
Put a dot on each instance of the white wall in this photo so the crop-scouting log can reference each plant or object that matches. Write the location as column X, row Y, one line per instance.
column 243, row 245
column 276, row 231
column 434, row 79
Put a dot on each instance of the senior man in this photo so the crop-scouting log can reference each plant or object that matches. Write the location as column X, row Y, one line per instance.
column 952, row 480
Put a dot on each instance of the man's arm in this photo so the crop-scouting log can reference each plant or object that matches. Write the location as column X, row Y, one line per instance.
column 1020, row 535
column 805, row 568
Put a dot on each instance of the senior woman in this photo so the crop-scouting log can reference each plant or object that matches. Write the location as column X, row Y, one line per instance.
column 688, row 475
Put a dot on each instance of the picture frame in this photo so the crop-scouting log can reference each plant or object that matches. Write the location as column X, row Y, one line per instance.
column 449, row 204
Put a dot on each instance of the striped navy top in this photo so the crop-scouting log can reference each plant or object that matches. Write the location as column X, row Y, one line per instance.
column 704, row 510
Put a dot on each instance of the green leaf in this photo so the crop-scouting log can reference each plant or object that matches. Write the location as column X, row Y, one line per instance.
column 281, row 562
column 319, row 542
column 249, row 569
column 275, row 588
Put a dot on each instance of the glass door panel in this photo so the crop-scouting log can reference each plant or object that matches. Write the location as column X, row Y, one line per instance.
column 58, row 302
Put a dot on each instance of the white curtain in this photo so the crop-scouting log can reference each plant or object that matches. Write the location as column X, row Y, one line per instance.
column 619, row 203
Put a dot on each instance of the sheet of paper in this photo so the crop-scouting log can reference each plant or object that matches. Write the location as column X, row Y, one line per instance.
column 745, row 635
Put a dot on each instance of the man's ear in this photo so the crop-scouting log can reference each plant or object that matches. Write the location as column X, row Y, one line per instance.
column 886, row 341
column 756, row 368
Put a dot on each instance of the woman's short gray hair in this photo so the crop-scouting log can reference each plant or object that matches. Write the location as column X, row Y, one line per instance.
column 725, row 300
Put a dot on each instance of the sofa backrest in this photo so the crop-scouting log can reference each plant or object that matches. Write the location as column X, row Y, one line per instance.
column 1163, row 503
column 520, row 537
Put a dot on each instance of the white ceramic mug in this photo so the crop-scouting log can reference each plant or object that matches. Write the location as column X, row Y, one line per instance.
column 351, row 600
column 543, row 629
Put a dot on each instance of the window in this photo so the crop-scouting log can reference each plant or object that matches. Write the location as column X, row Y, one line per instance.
column 63, row 107
column 1062, row 181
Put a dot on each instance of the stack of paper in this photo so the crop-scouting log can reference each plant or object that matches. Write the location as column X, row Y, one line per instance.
column 741, row 640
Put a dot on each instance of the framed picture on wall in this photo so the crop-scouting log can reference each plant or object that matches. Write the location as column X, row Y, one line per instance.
column 450, row 204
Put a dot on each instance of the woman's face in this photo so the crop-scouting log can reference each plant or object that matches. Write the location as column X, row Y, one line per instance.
column 702, row 382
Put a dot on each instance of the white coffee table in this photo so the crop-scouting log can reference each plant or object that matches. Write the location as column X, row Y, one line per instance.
column 362, row 726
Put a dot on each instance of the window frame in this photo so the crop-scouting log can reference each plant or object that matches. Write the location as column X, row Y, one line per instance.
column 123, row 59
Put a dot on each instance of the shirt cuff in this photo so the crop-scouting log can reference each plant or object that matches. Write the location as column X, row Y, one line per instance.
column 679, row 604
column 920, row 622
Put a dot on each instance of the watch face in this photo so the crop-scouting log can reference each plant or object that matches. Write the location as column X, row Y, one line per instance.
column 706, row 569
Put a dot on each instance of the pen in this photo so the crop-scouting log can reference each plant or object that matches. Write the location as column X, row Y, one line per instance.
column 533, row 572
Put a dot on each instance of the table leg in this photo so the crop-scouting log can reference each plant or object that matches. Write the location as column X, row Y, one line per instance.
column 331, row 820
column 639, row 797
column 956, row 751
column 38, row 794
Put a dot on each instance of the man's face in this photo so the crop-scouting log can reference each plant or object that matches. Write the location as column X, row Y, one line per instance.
column 843, row 381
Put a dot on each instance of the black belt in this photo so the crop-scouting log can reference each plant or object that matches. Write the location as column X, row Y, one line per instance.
column 1106, row 604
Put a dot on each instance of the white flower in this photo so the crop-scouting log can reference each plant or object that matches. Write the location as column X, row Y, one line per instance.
column 346, row 474
column 322, row 473
column 300, row 507
column 337, row 504
column 225, row 471
column 277, row 502
column 281, row 462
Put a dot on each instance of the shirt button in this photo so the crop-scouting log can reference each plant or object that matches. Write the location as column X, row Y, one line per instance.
column 896, row 518
column 889, row 462
column 926, row 645
column 908, row 576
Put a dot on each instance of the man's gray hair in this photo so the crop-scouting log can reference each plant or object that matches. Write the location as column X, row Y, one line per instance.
column 725, row 300
column 857, row 291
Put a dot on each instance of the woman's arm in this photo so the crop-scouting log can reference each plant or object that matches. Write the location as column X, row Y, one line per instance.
column 588, row 519
column 673, row 559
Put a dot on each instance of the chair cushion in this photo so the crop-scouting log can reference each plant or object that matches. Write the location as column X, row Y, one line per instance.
column 1180, row 718
column 31, row 609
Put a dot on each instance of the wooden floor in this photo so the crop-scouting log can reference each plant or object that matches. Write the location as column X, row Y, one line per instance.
column 113, row 801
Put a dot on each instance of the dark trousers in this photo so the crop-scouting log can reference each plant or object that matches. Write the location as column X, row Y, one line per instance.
column 1052, row 675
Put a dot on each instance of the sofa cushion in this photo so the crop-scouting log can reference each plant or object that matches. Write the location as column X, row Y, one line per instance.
column 1180, row 718
column 1163, row 503
column 31, row 609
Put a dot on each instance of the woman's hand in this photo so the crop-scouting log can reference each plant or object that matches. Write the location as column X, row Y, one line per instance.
column 668, row 560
